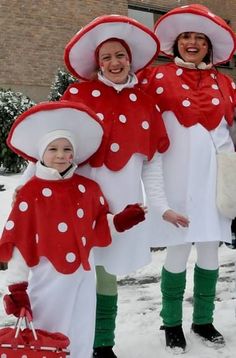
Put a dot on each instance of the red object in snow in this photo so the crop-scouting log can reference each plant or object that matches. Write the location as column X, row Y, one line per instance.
column 31, row 343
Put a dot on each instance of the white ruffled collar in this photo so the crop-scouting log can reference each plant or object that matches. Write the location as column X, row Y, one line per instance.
column 130, row 83
column 202, row 65
column 46, row 173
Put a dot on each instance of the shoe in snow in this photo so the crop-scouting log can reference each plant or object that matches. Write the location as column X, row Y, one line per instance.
column 175, row 340
column 103, row 352
column 208, row 334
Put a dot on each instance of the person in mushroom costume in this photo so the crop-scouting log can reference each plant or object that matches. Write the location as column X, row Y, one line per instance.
column 197, row 104
column 56, row 221
column 106, row 54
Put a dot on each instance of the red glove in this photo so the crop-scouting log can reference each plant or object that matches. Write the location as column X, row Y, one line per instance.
column 130, row 216
column 17, row 299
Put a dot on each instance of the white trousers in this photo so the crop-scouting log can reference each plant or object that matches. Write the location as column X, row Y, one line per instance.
column 207, row 256
column 66, row 304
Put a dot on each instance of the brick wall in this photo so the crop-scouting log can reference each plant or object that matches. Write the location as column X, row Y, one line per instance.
column 34, row 34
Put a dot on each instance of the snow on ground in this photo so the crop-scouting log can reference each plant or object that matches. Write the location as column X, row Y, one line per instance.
column 138, row 334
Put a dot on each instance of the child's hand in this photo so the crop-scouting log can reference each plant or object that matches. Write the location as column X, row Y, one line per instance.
column 17, row 299
column 129, row 217
column 175, row 218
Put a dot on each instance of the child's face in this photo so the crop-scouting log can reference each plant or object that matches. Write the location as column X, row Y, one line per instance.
column 58, row 154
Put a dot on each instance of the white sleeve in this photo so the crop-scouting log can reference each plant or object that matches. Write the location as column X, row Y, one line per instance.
column 111, row 225
column 221, row 138
column 153, row 181
column 28, row 173
column 17, row 271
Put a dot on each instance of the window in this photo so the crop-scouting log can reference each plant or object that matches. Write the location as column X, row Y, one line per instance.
column 145, row 15
column 148, row 17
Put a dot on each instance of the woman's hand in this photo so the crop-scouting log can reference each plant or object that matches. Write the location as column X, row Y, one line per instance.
column 175, row 218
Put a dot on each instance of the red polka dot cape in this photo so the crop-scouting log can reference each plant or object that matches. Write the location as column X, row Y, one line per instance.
column 61, row 220
column 132, row 122
column 194, row 96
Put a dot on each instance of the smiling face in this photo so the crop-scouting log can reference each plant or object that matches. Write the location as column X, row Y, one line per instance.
column 114, row 61
column 58, row 154
column 192, row 47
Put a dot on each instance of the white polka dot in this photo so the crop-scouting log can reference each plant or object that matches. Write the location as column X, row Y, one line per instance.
column 179, row 72
column 3, row 355
column 102, row 201
column 100, row 116
column 159, row 90
column 158, row 108
column 73, row 90
column 213, row 76
column 215, row 101
column 144, row 81
column 62, row 227
column 185, row 86
column 80, row 213
column 24, row 356
column 233, row 85
column 145, row 125
column 133, row 97
column 47, row 192
column 159, row 75
column 70, row 257
column 23, row 206
column 215, row 87
column 93, row 224
column 36, row 238
column 231, row 99
column 96, row 93
column 9, row 225
column 184, row 6
column 122, row 118
column 84, row 240
column 186, row 103
column 81, row 188
column 115, row 147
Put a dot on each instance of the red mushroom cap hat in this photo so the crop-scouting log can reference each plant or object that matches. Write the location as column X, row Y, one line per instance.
column 30, row 127
column 79, row 53
column 196, row 18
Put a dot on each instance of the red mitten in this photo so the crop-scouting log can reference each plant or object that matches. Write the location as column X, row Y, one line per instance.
column 130, row 216
column 17, row 299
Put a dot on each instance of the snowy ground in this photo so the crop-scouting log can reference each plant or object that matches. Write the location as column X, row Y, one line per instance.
column 138, row 334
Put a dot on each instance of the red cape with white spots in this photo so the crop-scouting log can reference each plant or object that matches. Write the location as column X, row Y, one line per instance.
column 61, row 220
column 194, row 96
column 132, row 122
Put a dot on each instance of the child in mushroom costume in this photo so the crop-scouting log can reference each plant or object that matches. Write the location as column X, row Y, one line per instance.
column 197, row 103
column 111, row 49
column 56, row 221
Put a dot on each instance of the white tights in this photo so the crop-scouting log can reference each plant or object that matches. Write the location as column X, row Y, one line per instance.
column 207, row 256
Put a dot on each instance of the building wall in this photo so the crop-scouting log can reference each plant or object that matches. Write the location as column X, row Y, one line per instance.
column 34, row 34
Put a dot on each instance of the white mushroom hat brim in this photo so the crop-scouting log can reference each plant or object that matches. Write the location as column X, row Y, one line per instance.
column 31, row 126
column 79, row 53
column 196, row 18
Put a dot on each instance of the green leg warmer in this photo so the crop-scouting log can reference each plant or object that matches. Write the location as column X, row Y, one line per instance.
column 172, row 288
column 106, row 308
column 204, row 295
